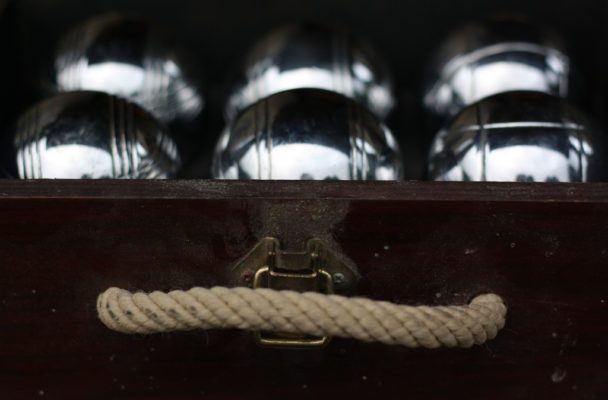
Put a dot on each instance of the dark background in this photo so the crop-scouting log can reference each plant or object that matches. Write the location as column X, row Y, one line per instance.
column 218, row 33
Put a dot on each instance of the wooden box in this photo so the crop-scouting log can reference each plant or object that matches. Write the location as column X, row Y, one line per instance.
column 542, row 247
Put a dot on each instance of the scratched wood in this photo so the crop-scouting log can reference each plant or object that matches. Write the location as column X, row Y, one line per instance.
column 543, row 247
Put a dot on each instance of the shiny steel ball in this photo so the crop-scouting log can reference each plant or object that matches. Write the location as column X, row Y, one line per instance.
column 91, row 135
column 307, row 134
column 129, row 57
column 313, row 56
column 519, row 136
column 495, row 56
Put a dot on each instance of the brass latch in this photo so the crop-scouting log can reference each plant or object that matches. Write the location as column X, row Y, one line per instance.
column 317, row 269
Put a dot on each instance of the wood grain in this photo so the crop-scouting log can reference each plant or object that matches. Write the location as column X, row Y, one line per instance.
column 543, row 247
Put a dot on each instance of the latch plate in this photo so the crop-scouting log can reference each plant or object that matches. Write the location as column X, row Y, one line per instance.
column 318, row 268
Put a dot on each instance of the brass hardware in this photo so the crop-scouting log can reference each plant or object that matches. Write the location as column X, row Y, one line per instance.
column 284, row 340
column 267, row 265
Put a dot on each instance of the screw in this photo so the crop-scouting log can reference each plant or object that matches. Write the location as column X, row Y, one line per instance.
column 339, row 278
column 247, row 276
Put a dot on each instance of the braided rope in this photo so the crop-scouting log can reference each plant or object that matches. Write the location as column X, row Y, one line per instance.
column 303, row 313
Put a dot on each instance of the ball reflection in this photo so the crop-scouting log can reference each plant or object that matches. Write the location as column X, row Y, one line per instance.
column 129, row 57
column 91, row 135
column 519, row 136
column 313, row 56
column 307, row 134
column 498, row 55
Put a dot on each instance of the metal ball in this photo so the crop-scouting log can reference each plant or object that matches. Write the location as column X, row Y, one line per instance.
column 307, row 134
column 313, row 56
column 91, row 135
column 495, row 56
column 128, row 57
column 519, row 136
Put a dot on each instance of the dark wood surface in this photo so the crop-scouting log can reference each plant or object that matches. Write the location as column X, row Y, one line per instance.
column 543, row 247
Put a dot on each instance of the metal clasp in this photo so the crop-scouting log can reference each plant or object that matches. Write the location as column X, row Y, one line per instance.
column 317, row 269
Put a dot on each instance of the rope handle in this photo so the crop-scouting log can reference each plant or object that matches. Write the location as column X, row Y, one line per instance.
column 307, row 313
